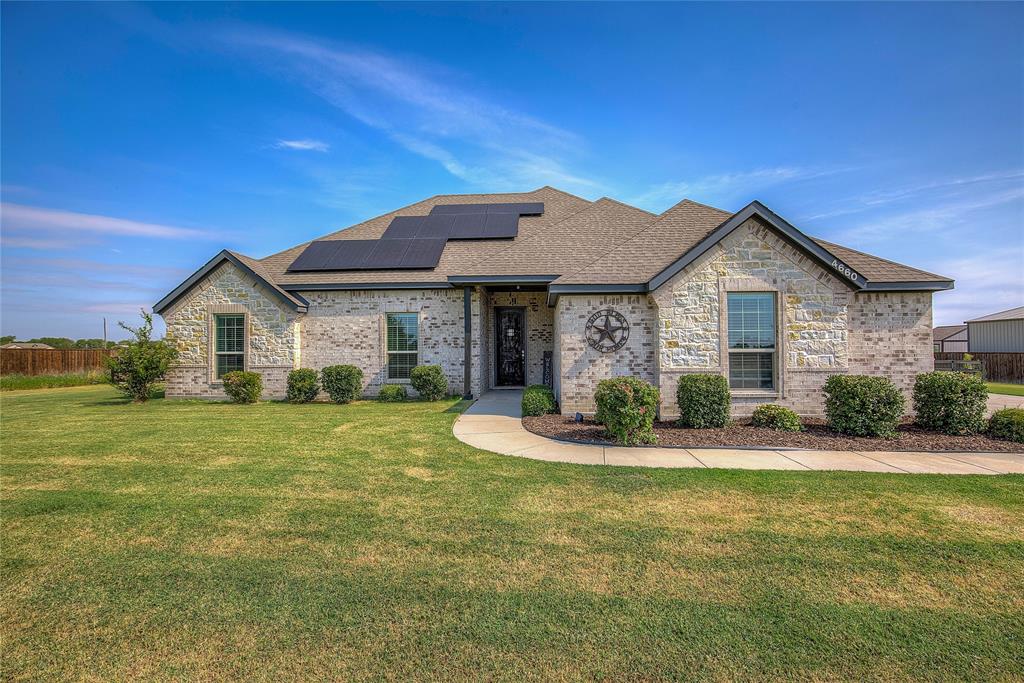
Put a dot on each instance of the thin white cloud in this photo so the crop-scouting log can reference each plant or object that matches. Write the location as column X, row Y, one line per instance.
column 985, row 284
column 723, row 186
column 421, row 109
column 303, row 145
column 18, row 217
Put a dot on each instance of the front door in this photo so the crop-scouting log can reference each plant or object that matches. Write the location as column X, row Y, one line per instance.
column 511, row 348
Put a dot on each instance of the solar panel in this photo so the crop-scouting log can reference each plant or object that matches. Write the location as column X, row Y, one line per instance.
column 468, row 226
column 459, row 208
column 528, row 208
column 501, row 225
column 403, row 227
column 423, row 253
column 315, row 256
column 386, row 254
column 436, row 226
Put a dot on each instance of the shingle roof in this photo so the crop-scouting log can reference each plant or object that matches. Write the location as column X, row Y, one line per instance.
column 945, row 331
column 580, row 242
column 1011, row 314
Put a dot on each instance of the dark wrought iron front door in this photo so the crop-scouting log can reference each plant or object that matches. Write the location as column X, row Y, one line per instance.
column 511, row 348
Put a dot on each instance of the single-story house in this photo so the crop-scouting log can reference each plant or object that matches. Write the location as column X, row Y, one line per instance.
column 1001, row 332
column 26, row 345
column 504, row 290
column 950, row 338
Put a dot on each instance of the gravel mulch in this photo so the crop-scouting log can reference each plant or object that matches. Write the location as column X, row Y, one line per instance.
column 816, row 435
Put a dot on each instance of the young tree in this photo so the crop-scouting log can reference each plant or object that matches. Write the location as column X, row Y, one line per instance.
column 141, row 362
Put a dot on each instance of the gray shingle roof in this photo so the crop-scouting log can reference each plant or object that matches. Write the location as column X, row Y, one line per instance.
column 944, row 331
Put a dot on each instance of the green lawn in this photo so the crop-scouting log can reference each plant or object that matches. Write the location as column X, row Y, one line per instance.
column 183, row 540
column 1002, row 388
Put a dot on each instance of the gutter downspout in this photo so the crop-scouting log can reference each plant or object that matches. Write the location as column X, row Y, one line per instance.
column 467, row 315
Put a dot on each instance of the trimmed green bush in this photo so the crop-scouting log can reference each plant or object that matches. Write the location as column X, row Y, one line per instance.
column 1008, row 424
column 538, row 400
column 773, row 416
column 302, row 386
column 861, row 405
column 950, row 402
column 343, row 383
column 392, row 393
column 243, row 387
column 703, row 401
column 626, row 407
column 429, row 382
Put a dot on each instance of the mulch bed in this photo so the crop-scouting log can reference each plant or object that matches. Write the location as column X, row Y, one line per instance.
column 815, row 435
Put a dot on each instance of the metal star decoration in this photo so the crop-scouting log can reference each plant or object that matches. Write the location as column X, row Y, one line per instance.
column 607, row 330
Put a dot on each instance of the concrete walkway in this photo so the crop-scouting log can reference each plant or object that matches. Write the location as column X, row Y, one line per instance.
column 493, row 423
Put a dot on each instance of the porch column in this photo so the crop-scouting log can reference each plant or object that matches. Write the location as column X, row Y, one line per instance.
column 467, row 314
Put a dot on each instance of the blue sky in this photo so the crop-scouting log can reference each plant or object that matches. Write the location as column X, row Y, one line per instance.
column 139, row 140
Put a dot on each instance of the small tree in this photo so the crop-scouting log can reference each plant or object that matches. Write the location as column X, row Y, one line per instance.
column 141, row 362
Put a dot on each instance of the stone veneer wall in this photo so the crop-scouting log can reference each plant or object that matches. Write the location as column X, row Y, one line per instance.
column 540, row 330
column 348, row 327
column 581, row 367
column 810, row 304
column 272, row 331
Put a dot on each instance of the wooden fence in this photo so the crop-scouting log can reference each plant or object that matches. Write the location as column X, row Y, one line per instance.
column 52, row 361
column 999, row 367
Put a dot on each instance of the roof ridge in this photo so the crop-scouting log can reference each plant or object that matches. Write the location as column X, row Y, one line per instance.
column 687, row 200
column 880, row 258
column 628, row 206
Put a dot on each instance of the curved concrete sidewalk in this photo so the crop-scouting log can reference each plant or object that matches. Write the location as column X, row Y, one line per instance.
column 493, row 423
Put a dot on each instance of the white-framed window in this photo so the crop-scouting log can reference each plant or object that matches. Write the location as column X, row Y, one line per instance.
column 752, row 333
column 403, row 341
column 229, row 343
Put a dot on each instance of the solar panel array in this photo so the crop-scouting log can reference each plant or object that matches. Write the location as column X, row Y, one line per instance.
column 417, row 241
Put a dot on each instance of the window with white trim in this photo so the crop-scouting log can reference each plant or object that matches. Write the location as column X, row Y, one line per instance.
column 229, row 343
column 403, row 337
column 751, row 331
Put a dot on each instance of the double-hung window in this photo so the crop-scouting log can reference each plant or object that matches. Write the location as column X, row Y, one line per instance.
column 229, row 343
column 751, row 340
column 403, row 338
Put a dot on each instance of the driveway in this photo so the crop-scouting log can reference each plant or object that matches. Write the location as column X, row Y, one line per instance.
column 998, row 401
column 493, row 423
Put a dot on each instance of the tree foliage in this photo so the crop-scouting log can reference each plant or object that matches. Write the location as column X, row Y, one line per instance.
column 140, row 363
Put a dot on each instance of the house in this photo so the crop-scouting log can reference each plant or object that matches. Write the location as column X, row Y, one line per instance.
column 507, row 290
column 1001, row 332
column 26, row 345
column 950, row 338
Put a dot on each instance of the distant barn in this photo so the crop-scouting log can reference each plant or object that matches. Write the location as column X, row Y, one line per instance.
column 1001, row 332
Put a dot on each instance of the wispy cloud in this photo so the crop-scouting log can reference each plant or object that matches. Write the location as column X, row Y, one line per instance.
column 303, row 145
column 724, row 186
column 423, row 110
column 985, row 283
column 18, row 217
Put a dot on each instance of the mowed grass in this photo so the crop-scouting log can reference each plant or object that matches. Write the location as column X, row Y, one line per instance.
column 1007, row 389
column 185, row 540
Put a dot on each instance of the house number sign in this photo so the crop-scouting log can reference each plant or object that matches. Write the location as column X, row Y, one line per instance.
column 845, row 270
column 607, row 330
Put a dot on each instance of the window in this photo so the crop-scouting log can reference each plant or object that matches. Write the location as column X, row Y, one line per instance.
column 751, row 340
column 403, row 344
column 229, row 348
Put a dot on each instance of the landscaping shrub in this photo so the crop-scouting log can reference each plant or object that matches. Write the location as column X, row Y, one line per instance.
column 303, row 386
column 1008, row 424
column 773, row 416
column 626, row 407
column 429, row 382
column 243, row 387
column 141, row 362
column 538, row 400
column 392, row 393
column 703, row 401
column 860, row 405
column 343, row 383
column 950, row 402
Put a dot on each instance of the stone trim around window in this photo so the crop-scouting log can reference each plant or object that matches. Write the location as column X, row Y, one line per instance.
column 728, row 285
column 212, row 310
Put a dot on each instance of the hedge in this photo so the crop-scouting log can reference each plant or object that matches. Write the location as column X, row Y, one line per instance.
column 429, row 382
column 343, row 383
column 950, row 402
column 703, row 401
column 626, row 407
column 392, row 393
column 1008, row 424
column 537, row 400
column 861, row 405
column 243, row 387
column 303, row 386
column 772, row 416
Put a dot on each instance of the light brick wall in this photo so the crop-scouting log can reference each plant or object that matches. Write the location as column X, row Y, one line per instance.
column 540, row 330
column 271, row 328
column 891, row 336
column 348, row 328
column 582, row 367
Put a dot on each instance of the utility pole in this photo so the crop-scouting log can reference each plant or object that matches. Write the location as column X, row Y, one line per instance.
column 104, row 331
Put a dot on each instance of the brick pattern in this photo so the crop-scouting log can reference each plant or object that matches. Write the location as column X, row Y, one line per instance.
column 582, row 367
column 891, row 336
column 348, row 327
column 540, row 330
column 272, row 334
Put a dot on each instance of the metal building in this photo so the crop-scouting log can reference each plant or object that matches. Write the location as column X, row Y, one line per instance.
column 1001, row 332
